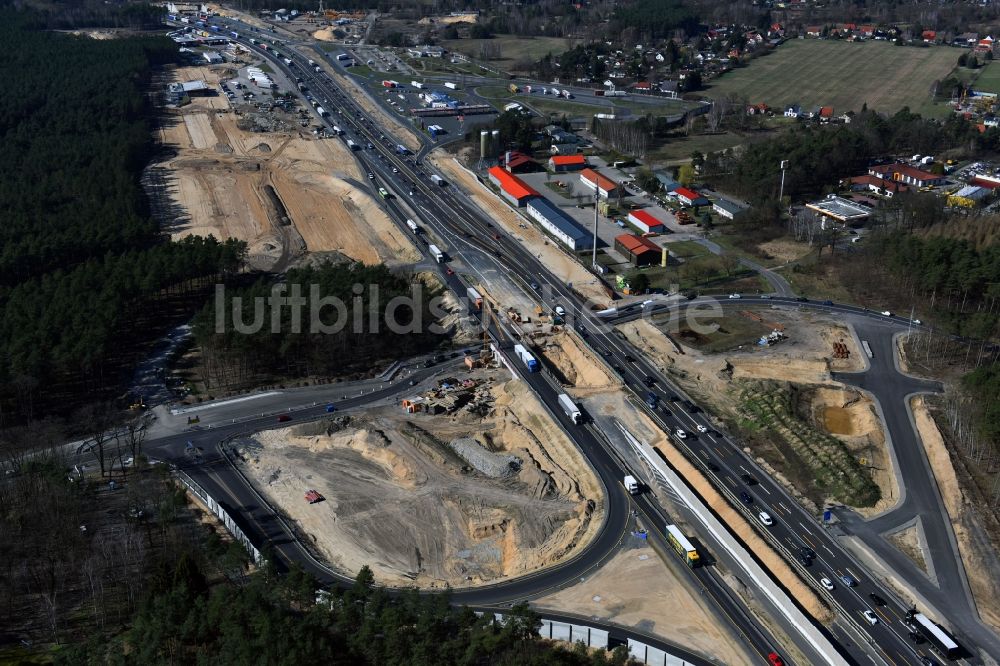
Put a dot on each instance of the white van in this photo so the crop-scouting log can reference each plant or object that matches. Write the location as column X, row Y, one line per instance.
column 765, row 518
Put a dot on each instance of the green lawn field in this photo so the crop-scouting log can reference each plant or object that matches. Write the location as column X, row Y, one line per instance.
column 814, row 72
column 513, row 48
column 989, row 79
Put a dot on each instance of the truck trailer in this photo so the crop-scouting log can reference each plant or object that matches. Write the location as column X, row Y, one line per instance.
column 474, row 298
column 417, row 85
column 568, row 406
column 450, row 85
column 322, row 112
column 352, row 145
column 530, row 362
column 631, row 485
column 436, row 253
column 437, row 180
column 414, row 227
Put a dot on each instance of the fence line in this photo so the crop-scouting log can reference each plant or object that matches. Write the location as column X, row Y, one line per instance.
column 223, row 515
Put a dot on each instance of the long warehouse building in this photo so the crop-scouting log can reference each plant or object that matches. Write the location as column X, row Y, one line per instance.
column 558, row 223
column 513, row 188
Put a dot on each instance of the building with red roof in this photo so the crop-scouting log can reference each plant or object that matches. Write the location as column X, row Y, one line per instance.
column 646, row 222
column 689, row 197
column 877, row 184
column 563, row 163
column 513, row 188
column 518, row 162
column 640, row 251
column 591, row 179
column 904, row 173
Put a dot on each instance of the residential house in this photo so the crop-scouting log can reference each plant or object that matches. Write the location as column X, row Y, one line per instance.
column 643, row 87
column 814, row 31
column 929, row 36
column 793, row 111
column 757, row 109
column 826, row 113
column 517, row 162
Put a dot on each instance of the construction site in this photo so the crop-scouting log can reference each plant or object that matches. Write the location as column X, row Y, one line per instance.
column 767, row 374
column 286, row 191
column 462, row 484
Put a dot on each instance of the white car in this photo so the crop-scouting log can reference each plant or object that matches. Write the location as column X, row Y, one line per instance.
column 765, row 518
column 680, row 434
column 827, row 584
column 886, row 313
column 560, row 311
column 371, row 176
column 917, row 322
column 870, row 617
column 734, row 296
column 701, row 428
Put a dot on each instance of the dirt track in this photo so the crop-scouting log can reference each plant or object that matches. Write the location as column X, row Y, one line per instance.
column 218, row 173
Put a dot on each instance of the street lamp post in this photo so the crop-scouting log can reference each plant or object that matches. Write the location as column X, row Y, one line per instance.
column 597, row 201
column 781, row 192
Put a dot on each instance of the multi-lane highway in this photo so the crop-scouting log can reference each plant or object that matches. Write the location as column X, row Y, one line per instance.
column 468, row 237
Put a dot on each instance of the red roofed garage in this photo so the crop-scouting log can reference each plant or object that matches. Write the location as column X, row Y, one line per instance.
column 640, row 251
column 646, row 222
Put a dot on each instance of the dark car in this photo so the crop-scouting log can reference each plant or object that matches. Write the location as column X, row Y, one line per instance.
column 806, row 561
column 284, row 418
column 746, row 497
column 649, row 381
column 673, row 397
column 916, row 638
column 802, row 299
column 691, row 407
column 712, row 466
column 807, row 552
column 629, row 358
column 876, row 599
column 747, row 479
column 827, row 302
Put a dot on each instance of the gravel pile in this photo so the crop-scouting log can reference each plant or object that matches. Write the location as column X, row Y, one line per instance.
column 493, row 465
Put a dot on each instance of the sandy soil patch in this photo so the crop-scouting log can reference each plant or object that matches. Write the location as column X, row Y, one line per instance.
column 850, row 416
column 564, row 266
column 977, row 551
column 578, row 365
column 324, row 35
column 399, row 499
column 908, row 542
column 218, row 176
column 636, row 589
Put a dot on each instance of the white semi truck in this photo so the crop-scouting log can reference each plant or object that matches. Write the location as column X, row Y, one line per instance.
column 568, row 406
